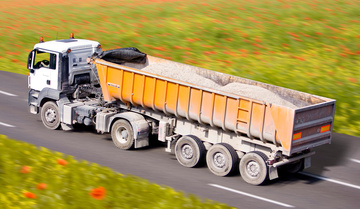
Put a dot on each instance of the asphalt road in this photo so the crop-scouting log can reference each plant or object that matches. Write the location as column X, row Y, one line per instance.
column 333, row 181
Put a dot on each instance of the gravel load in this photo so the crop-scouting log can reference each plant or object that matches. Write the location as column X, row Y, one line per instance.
column 132, row 57
column 257, row 93
column 184, row 73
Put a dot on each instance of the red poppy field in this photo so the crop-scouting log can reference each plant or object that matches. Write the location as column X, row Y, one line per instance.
column 311, row 46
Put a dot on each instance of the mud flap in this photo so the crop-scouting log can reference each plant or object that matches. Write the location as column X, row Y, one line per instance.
column 307, row 162
column 273, row 173
column 141, row 133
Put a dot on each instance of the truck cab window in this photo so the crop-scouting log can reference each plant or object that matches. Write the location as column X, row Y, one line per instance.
column 45, row 60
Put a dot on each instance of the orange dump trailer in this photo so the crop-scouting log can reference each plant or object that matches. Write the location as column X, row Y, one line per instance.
column 246, row 123
column 294, row 129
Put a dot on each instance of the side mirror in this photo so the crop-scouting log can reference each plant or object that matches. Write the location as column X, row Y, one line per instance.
column 30, row 61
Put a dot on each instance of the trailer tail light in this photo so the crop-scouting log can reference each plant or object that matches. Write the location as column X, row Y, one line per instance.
column 99, row 46
column 296, row 136
column 325, row 128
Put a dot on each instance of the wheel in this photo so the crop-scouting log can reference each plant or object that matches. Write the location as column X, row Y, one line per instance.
column 189, row 151
column 50, row 115
column 253, row 168
column 122, row 135
column 221, row 159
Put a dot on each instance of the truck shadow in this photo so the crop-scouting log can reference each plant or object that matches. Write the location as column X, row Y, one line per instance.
column 153, row 143
column 335, row 154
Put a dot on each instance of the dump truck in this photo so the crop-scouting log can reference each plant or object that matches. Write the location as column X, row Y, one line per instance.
column 229, row 123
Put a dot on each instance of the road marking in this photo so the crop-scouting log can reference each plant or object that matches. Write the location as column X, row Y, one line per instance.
column 331, row 180
column 8, row 94
column 251, row 195
column 7, row 125
column 354, row 160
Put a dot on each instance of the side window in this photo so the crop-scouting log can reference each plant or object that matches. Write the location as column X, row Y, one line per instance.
column 45, row 60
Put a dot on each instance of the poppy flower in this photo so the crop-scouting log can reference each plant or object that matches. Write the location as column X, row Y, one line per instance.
column 30, row 195
column 98, row 193
column 25, row 169
column 41, row 186
column 62, row 162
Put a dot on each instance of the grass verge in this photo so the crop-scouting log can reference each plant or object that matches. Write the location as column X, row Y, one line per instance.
column 36, row 177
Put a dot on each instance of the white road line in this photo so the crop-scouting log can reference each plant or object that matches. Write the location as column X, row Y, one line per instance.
column 331, row 180
column 8, row 94
column 354, row 160
column 7, row 125
column 251, row 195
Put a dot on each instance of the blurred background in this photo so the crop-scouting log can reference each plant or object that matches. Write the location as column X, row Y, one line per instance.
column 307, row 45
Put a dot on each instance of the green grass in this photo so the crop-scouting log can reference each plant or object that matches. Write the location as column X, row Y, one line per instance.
column 310, row 46
column 35, row 177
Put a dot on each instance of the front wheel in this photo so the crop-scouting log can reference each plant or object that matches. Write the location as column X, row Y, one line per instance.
column 253, row 168
column 50, row 115
column 122, row 135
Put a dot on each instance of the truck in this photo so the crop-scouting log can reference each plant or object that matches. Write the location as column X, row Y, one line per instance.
column 135, row 98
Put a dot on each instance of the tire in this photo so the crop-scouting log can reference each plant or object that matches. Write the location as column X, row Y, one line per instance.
column 253, row 168
column 221, row 159
column 50, row 115
column 189, row 151
column 122, row 135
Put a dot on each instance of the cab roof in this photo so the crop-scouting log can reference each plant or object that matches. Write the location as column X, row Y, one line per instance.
column 65, row 44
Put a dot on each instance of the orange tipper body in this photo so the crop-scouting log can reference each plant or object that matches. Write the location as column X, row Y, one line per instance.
column 294, row 129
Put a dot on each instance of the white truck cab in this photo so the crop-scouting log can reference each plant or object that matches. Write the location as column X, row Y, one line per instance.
column 54, row 64
column 58, row 67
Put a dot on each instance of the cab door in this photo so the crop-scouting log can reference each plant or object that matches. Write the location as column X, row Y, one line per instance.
column 44, row 70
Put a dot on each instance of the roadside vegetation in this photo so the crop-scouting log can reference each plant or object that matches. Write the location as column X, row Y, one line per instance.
column 35, row 177
column 310, row 46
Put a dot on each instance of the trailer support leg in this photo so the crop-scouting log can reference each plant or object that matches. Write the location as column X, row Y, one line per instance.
column 170, row 144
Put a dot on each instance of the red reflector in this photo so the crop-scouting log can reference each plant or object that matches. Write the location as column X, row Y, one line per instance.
column 297, row 136
column 325, row 128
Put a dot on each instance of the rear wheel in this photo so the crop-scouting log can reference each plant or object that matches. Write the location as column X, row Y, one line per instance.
column 221, row 159
column 189, row 151
column 253, row 168
column 122, row 135
column 50, row 115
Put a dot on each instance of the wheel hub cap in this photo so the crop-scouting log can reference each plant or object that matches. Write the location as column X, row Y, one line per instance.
column 219, row 160
column 253, row 168
column 50, row 115
column 122, row 135
column 187, row 151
